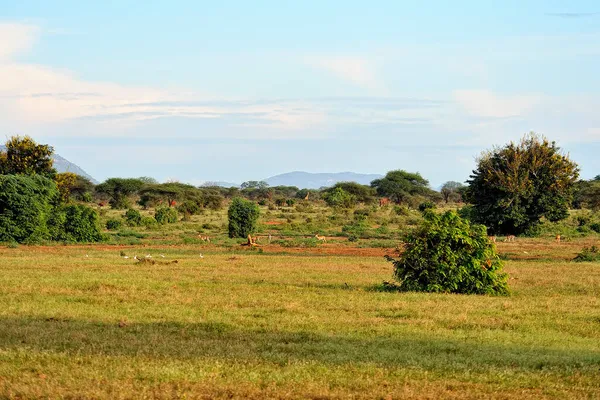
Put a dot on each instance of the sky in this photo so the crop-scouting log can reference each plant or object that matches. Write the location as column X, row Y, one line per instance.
column 243, row 90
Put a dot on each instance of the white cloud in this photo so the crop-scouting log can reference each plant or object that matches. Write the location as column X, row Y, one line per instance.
column 357, row 70
column 15, row 38
column 483, row 103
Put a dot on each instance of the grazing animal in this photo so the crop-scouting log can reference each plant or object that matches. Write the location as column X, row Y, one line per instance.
column 557, row 238
column 510, row 238
column 201, row 256
column 492, row 239
column 204, row 238
column 269, row 238
column 321, row 238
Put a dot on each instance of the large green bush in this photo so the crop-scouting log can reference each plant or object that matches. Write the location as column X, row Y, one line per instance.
column 26, row 203
column 243, row 215
column 165, row 215
column 75, row 223
column 448, row 254
column 133, row 217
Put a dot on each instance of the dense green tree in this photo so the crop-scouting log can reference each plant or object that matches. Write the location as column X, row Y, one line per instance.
column 587, row 194
column 119, row 190
column 338, row 197
column 75, row 223
column 82, row 189
column 26, row 204
column 399, row 186
column 24, row 156
column 243, row 216
column 65, row 182
column 448, row 254
column 515, row 186
column 361, row 193
column 254, row 185
column 451, row 191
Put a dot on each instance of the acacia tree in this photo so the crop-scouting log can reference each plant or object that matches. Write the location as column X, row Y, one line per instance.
column 400, row 186
column 119, row 190
column 515, row 186
column 451, row 191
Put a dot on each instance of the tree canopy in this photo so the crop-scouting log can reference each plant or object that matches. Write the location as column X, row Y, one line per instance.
column 515, row 186
column 119, row 190
column 399, row 186
column 24, row 156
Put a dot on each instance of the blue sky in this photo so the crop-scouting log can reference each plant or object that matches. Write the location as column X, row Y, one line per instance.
column 237, row 90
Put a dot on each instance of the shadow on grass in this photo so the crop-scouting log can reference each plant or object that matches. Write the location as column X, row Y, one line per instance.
column 213, row 339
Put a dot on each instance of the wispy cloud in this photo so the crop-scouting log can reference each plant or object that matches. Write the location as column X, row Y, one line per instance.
column 359, row 71
column 573, row 14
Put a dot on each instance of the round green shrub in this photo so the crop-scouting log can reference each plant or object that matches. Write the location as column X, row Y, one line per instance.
column 75, row 223
column 113, row 224
column 242, row 215
column 165, row 215
column 133, row 217
column 450, row 255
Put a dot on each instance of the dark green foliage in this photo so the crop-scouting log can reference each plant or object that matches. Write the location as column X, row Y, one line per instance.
column 595, row 227
column 75, row 223
column 24, row 156
column 188, row 207
column 401, row 210
column 338, row 197
column 588, row 254
column 165, row 215
column 400, row 186
column 587, row 194
column 426, row 205
column 290, row 202
column 82, row 189
column 360, row 193
column 243, row 215
column 447, row 254
column 515, row 186
column 113, row 224
column 133, row 217
column 26, row 204
column 119, row 190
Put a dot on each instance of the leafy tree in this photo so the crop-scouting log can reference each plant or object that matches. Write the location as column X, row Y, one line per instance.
column 26, row 203
column 75, row 223
column 24, row 156
column 447, row 254
column 254, row 185
column 515, row 186
column 361, row 193
column 587, row 194
column 82, row 189
column 65, row 182
column 399, row 186
column 119, row 190
column 148, row 180
column 451, row 191
column 338, row 197
column 243, row 215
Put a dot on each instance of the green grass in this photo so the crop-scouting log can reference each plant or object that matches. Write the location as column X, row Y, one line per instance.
column 248, row 325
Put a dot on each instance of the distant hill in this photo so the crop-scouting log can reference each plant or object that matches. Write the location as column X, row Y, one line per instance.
column 63, row 165
column 307, row 180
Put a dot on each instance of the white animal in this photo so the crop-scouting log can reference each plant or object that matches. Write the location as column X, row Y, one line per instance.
column 201, row 256
column 162, row 255
column 126, row 257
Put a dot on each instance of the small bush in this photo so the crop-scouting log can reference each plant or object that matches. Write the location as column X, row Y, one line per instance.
column 401, row 210
column 133, row 217
column 165, row 215
column 595, row 227
column 426, row 205
column 242, row 215
column 149, row 222
column 448, row 254
column 113, row 224
column 588, row 254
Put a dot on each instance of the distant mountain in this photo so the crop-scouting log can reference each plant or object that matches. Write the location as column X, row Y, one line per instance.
column 307, row 180
column 63, row 165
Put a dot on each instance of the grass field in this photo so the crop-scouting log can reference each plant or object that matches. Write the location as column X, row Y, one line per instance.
column 84, row 322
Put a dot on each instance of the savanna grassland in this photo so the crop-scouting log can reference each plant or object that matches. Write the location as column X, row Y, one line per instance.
column 289, row 322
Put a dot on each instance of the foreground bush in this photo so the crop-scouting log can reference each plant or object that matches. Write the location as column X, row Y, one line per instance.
column 26, row 203
column 243, row 215
column 75, row 223
column 447, row 254
column 133, row 217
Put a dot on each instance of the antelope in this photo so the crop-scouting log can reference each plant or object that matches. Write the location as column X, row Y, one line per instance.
column 510, row 238
column 321, row 238
column 557, row 238
column 492, row 239
column 204, row 238
column 384, row 201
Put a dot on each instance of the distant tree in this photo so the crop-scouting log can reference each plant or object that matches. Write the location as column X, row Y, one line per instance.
column 338, row 197
column 451, row 191
column 82, row 189
column 587, row 194
column 515, row 186
column 361, row 193
column 24, row 156
column 399, row 186
column 65, row 182
column 254, row 185
column 243, row 216
column 119, row 190
column 148, row 180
